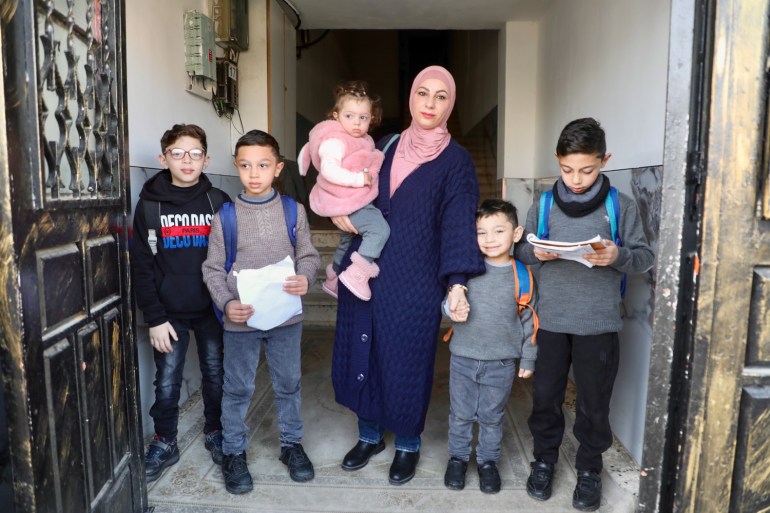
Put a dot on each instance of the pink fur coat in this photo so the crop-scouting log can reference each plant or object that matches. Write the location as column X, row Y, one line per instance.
column 327, row 198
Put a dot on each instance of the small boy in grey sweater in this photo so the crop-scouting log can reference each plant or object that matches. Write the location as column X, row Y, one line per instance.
column 579, row 308
column 485, row 345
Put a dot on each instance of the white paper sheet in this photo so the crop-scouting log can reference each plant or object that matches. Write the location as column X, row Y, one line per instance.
column 263, row 289
column 568, row 250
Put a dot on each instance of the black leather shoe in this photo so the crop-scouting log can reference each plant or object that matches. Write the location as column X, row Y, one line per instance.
column 489, row 477
column 540, row 479
column 454, row 478
column 358, row 456
column 403, row 468
column 588, row 492
column 236, row 472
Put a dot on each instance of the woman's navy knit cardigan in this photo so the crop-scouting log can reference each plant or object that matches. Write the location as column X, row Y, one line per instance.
column 384, row 349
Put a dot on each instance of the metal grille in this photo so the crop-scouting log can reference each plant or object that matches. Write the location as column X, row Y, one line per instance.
column 77, row 99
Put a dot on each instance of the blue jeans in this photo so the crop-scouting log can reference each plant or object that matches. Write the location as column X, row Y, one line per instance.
column 169, row 368
column 282, row 350
column 371, row 432
column 478, row 392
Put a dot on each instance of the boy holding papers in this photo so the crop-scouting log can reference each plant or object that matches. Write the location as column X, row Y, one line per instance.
column 263, row 240
column 579, row 310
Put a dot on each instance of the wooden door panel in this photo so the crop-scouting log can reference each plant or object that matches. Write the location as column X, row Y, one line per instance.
column 67, row 164
column 58, row 457
column 59, row 289
column 112, row 323
column 751, row 473
column 95, row 408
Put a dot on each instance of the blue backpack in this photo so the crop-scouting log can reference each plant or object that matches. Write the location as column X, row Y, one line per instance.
column 611, row 203
column 230, row 233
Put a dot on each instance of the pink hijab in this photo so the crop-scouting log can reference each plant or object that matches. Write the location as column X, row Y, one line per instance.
column 418, row 145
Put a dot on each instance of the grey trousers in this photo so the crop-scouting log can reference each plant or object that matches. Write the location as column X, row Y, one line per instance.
column 373, row 229
column 478, row 392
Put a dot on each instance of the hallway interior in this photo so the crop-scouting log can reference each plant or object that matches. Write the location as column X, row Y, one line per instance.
column 195, row 484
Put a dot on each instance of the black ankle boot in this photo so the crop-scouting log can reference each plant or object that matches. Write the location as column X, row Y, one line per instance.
column 454, row 477
column 540, row 479
column 588, row 492
column 403, row 468
column 358, row 456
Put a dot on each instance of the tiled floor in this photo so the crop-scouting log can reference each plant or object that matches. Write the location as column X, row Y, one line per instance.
column 195, row 484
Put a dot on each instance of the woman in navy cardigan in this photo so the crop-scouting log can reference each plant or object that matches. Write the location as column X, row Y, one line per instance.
column 384, row 349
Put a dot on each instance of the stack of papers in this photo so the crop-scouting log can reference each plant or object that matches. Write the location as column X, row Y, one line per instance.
column 263, row 289
column 568, row 250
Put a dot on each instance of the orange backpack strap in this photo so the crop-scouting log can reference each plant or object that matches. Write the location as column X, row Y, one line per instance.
column 523, row 290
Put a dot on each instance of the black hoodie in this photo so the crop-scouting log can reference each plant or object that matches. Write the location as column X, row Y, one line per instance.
column 169, row 285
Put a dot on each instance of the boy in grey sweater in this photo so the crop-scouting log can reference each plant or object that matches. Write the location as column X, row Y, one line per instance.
column 485, row 345
column 579, row 310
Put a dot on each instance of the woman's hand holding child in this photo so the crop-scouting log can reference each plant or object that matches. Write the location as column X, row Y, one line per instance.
column 459, row 308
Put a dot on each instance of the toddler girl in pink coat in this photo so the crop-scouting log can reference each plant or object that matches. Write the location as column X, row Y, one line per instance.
column 343, row 152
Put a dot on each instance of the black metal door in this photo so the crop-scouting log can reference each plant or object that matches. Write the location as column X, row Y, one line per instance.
column 67, row 347
column 707, row 438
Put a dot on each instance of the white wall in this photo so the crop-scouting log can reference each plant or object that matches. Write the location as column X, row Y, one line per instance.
column 607, row 59
column 156, row 82
column 283, row 78
column 517, row 99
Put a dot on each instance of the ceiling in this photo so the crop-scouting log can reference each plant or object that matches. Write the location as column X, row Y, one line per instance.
column 414, row 14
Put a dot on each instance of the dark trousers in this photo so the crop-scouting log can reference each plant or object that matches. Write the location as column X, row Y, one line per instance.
column 594, row 362
column 169, row 368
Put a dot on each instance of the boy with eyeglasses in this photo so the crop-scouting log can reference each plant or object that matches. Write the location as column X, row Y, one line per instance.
column 172, row 222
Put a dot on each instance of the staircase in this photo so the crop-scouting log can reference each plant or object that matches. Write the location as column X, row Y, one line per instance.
column 320, row 308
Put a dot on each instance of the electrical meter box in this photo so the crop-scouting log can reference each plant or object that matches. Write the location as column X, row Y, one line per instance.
column 231, row 22
column 199, row 49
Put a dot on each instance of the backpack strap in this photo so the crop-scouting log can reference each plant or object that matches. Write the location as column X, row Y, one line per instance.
column 546, row 202
column 523, row 283
column 290, row 214
column 393, row 139
column 152, row 220
column 230, row 234
column 612, row 203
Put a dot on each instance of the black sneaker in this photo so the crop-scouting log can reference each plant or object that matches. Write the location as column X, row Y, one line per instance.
column 236, row 472
column 454, row 478
column 539, row 482
column 489, row 477
column 300, row 467
column 588, row 491
column 161, row 454
column 213, row 444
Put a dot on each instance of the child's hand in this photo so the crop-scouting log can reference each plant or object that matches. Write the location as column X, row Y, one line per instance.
column 296, row 285
column 238, row 312
column 545, row 256
column 606, row 256
column 459, row 308
column 160, row 337
column 525, row 373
